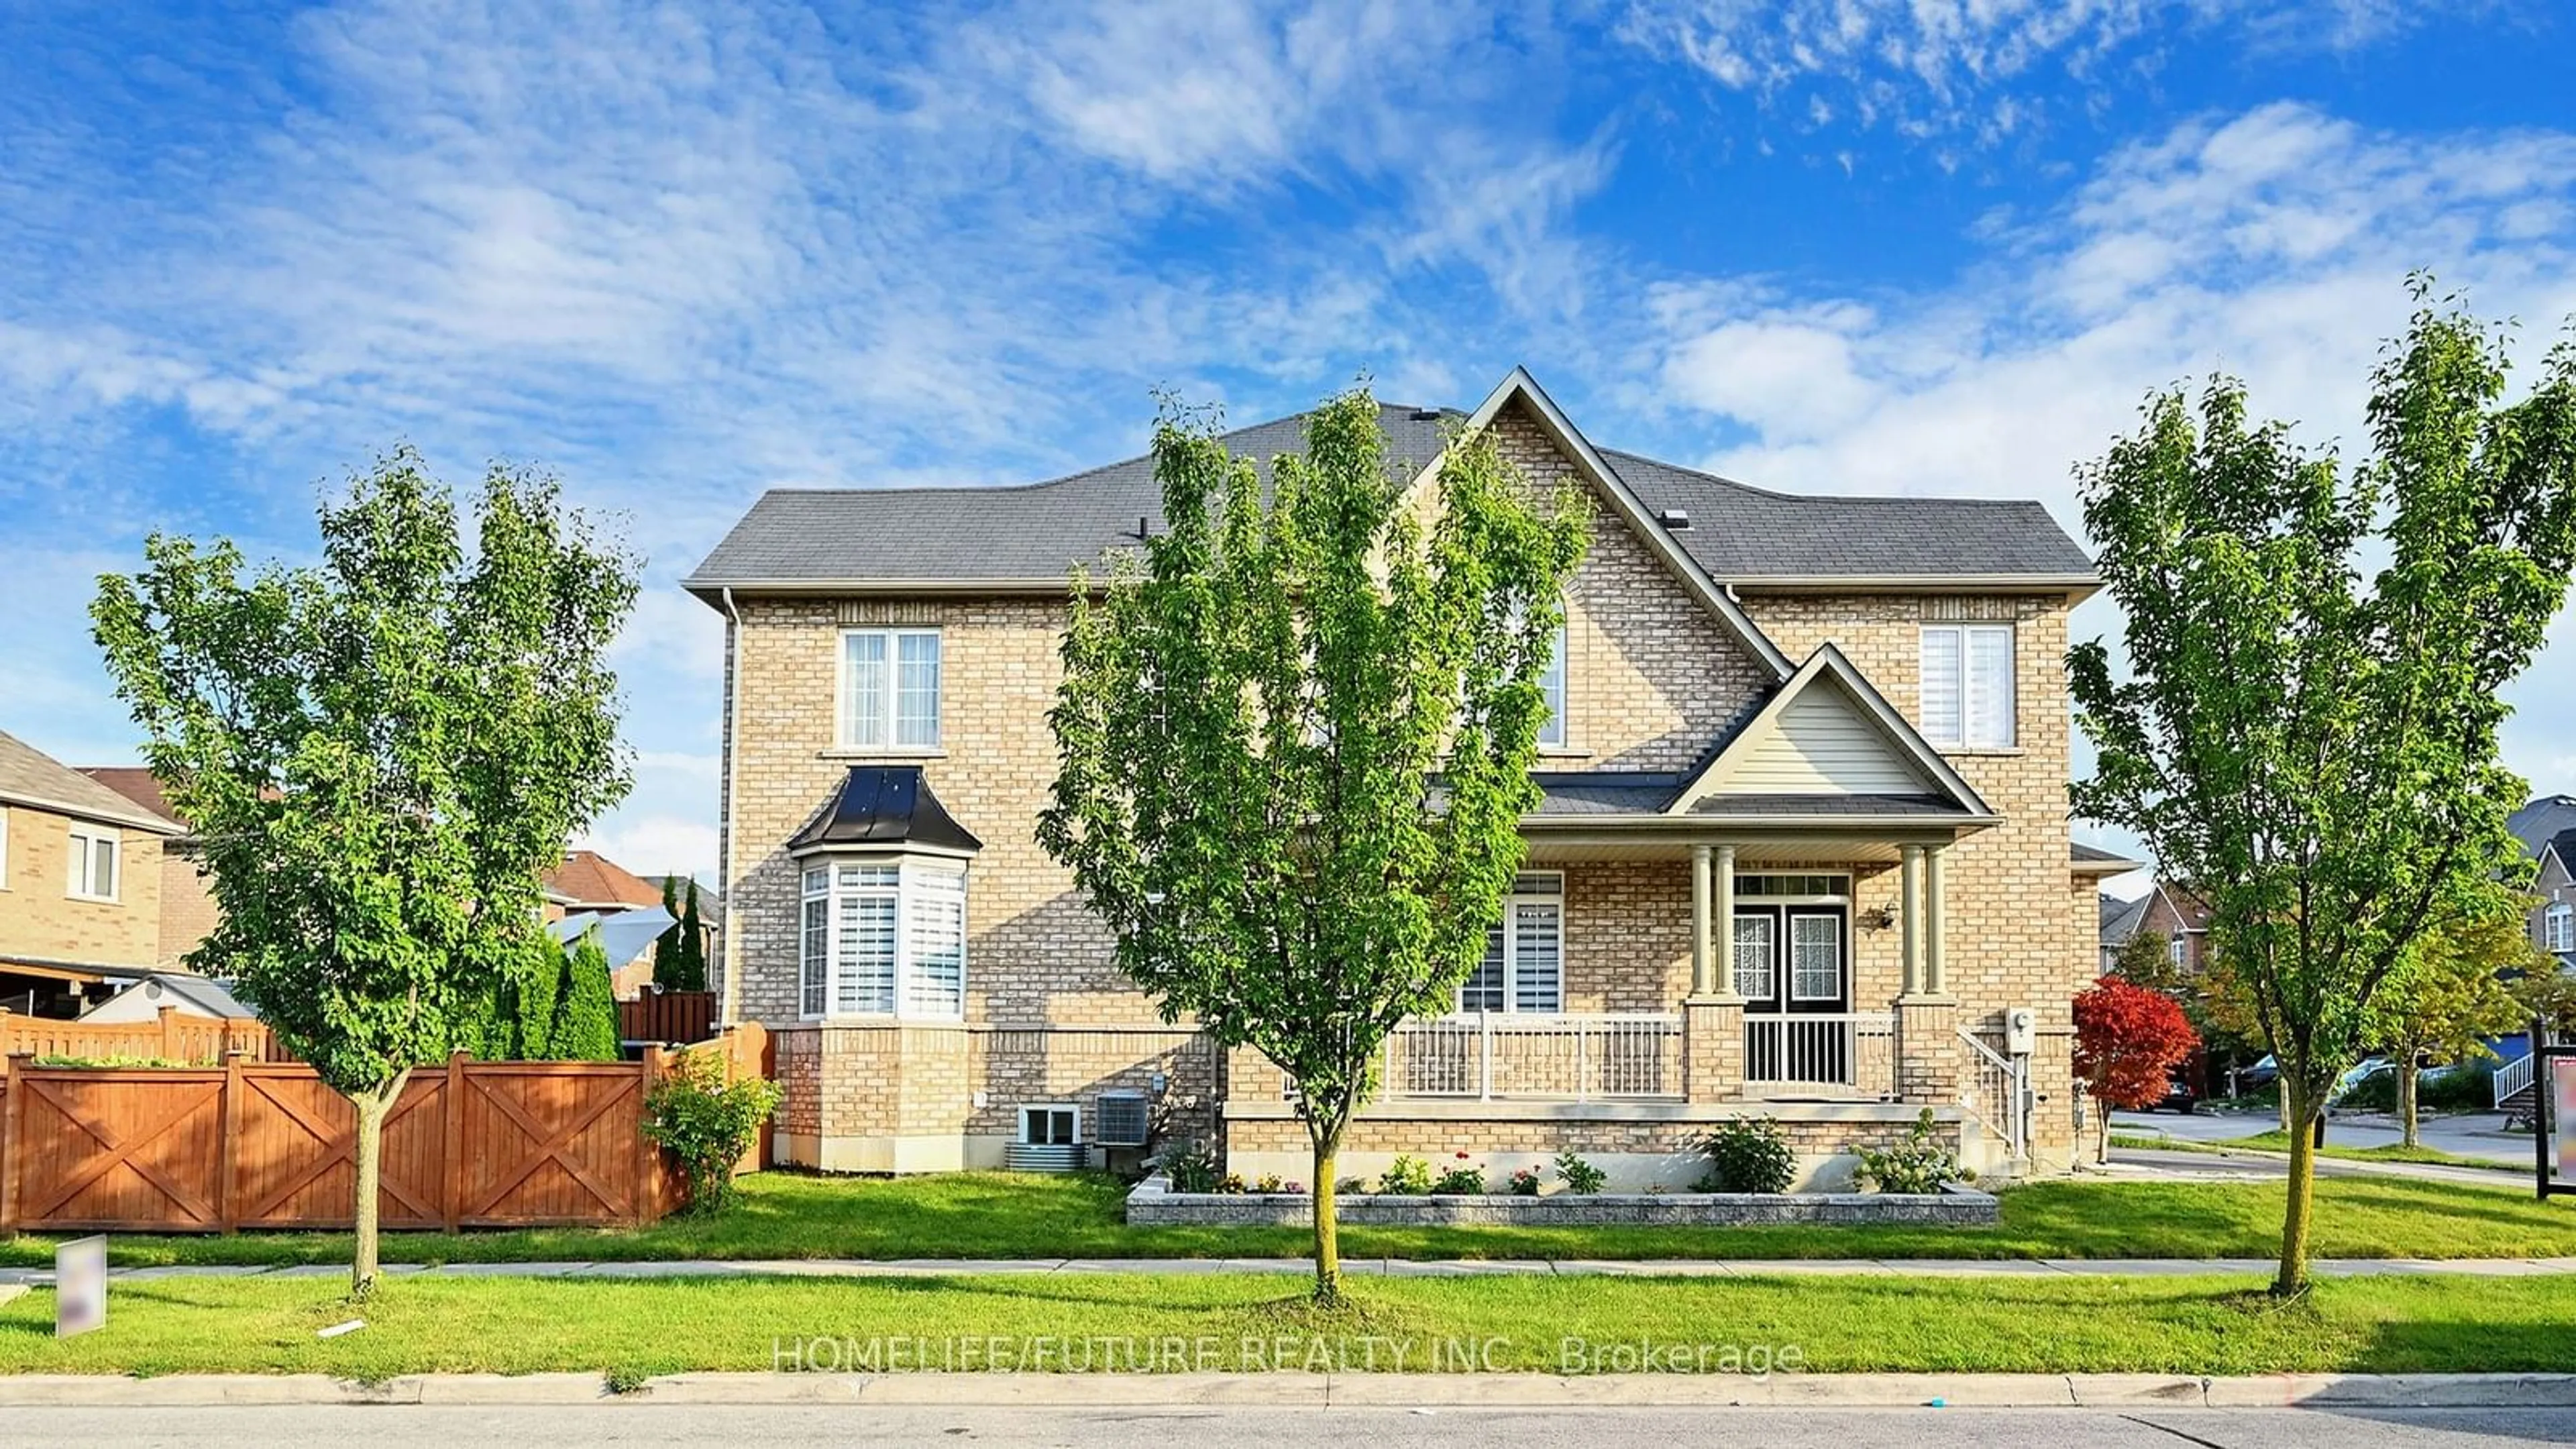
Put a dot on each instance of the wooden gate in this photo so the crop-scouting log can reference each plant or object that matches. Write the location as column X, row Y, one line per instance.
column 266, row 1145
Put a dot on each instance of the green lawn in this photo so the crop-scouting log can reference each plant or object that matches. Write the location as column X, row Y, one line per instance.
column 2277, row 1142
column 628, row 1330
column 1001, row 1215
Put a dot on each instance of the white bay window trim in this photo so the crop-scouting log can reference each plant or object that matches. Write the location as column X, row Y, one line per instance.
column 881, row 936
column 887, row 690
column 1967, row 686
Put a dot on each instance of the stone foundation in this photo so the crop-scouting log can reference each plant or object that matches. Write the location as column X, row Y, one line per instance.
column 1154, row 1203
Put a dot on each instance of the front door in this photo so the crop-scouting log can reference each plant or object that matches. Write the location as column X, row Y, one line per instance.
column 1792, row 960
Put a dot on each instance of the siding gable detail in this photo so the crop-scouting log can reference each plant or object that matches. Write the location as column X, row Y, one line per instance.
column 1822, row 744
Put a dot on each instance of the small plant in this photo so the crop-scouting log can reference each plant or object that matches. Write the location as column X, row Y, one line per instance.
column 1748, row 1154
column 1581, row 1177
column 708, row 1123
column 1232, row 1185
column 1407, row 1176
column 1269, row 1182
column 1460, row 1182
column 1193, row 1168
column 1524, row 1182
column 1918, row 1165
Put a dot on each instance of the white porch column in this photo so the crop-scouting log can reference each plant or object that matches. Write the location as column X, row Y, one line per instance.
column 1700, row 953
column 1723, row 987
column 1936, row 976
column 1909, row 926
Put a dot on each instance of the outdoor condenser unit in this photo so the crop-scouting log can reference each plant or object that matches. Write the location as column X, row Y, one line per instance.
column 1122, row 1120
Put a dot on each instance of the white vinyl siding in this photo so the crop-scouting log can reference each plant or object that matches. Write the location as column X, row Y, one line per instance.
column 1822, row 744
column 94, row 863
column 889, row 689
column 1524, row 964
column 883, row 940
column 1967, row 686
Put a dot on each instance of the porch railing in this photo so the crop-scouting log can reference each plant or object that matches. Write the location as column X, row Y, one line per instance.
column 1996, row 1091
column 1485, row 1056
column 1848, row 1053
column 2512, row 1077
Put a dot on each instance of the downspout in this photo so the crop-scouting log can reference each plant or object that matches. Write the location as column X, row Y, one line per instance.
column 729, row 1010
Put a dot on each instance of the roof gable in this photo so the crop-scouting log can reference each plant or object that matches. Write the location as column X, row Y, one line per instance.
column 1826, row 733
column 34, row 780
column 587, row 878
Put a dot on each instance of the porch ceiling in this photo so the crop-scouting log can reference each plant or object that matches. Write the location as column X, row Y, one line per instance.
column 1546, row 850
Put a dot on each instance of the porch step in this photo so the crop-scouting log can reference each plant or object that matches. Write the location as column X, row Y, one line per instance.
column 2517, row 1109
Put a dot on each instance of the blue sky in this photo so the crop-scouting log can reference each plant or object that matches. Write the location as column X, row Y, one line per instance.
column 680, row 253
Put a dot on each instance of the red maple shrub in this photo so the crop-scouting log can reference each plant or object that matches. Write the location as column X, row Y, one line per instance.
column 2127, row 1038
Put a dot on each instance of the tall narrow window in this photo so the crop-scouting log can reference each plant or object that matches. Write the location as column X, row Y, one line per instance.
column 1755, row 943
column 93, row 863
column 1551, row 685
column 889, row 689
column 1524, row 965
column 814, row 955
column 1967, row 679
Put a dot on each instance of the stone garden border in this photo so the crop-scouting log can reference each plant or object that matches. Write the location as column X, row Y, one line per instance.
column 1153, row 1203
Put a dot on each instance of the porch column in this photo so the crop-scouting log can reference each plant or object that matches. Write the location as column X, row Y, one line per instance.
column 1700, row 955
column 1936, row 976
column 1909, row 926
column 1723, row 987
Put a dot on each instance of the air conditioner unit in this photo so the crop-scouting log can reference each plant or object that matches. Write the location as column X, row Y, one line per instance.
column 1123, row 1119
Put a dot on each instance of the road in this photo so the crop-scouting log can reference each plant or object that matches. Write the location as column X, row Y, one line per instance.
column 401, row 1427
column 2475, row 1134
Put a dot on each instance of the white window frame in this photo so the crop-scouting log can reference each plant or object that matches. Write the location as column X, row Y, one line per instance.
column 1842, row 955
column 1536, row 888
column 1553, row 691
column 79, row 882
column 2000, row 729
column 1766, row 985
column 926, row 893
column 2558, row 928
column 2179, row 950
column 849, row 731
column 1068, row 1108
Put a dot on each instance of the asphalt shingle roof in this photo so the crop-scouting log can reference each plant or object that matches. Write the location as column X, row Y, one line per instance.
column 30, row 777
column 2542, row 820
column 1039, row 531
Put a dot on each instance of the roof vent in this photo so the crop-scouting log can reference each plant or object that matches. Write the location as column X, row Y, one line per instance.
column 1675, row 519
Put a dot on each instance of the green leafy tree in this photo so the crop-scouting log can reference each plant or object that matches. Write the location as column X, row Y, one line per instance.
column 2307, row 735
column 667, row 950
column 2146, row 959
column 1296, row 744
column 380, row 752
column 692, row 973
column 2458, row 993
column 585, row 1025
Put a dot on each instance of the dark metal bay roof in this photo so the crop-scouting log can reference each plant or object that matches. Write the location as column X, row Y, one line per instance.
column 884, row 805
column 964, row 536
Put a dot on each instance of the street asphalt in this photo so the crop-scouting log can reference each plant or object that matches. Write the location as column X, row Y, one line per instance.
column 2469, row 1134
column 393, row 1427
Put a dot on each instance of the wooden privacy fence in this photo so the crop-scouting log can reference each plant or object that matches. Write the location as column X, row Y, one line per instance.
column 175, row 1037
column 667, row 1016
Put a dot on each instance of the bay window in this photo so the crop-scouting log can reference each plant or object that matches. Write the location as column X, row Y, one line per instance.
column 882, row 937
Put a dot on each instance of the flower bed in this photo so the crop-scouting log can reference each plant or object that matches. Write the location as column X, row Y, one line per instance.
column 1153, row 1202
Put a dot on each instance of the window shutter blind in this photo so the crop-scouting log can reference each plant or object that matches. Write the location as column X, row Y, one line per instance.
column 1989, row 719
column 1941, row 716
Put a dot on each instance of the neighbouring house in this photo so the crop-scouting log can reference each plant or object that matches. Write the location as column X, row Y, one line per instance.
column 188, row 910
column 2547, row 829
column 590, row 884
column 80, row 885
column 2169, row 911
column 1803, row 850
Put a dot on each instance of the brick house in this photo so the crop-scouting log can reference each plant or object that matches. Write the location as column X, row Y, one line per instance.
column 589, row 883
column 2169, row 911
column 81, row 877
column 2547, row 829
column 188, row 910
column 1804, row 847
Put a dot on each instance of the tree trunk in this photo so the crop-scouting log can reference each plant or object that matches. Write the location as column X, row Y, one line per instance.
column 1328, row 1233
column 2406, row 1085
column 2304, row 1111
column 370, row 1147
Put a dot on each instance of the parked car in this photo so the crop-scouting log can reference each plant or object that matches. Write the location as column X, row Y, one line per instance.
column 2258, row 1076
column 2178, row 1093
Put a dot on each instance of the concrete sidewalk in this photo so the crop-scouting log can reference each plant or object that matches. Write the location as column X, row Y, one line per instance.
column 1337, row 1389
column 1390, row 1267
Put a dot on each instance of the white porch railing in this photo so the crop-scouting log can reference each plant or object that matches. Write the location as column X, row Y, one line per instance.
column 2513, row 1076
column 1851, row 1052
column 1996, row 1091
column 1492, row 1055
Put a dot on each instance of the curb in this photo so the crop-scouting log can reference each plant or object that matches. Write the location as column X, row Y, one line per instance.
column 1319, row 1391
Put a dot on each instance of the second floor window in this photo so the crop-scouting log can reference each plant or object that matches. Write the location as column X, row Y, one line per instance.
column 1551, row 684
column 94, row 863
column 2558, row 928
column 1968, row 686
column 889, row 689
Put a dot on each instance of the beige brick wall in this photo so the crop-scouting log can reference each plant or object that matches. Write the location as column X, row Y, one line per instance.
column 39, row 917
column 188, row 910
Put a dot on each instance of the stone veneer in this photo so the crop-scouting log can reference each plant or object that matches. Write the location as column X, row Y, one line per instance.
column 1653, row 678
column 1153, row 1203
